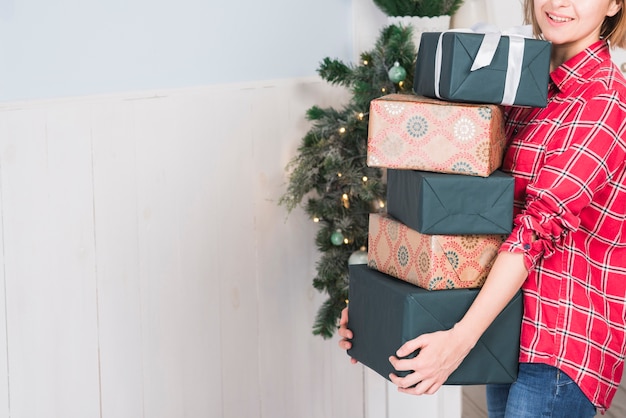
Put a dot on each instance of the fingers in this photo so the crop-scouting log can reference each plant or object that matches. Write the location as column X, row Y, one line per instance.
column 345, row 344
column 425, row 387
column 344, row 332
column 412, row 346
column 438, row 355
column 421, row 379
column 411, row 379
column 402, row 365
column 433, row 389
column 343, row 325
column 414, row 384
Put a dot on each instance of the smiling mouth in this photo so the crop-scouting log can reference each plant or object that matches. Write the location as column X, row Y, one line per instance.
column 559, row 19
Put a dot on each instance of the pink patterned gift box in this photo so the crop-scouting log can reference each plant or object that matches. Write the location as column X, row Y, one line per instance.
column 413, row 132
column 431, row 262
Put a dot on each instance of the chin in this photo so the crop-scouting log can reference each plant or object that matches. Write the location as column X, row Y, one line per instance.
column 554, row 38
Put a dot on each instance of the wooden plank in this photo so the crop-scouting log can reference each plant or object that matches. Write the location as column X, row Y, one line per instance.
column 446, row 403
column 161, row 170
column 450, row 401
column 49, row 264
column 159, row 254
column 197, row 183
column 388, row 402
column 345, row 385
column 117, row 258
column 234, row 240
column 179, row 238
column 375, row 395
column 23, row 159
column 401, row 405
column 311, row 376
column 285, row 265
column 5, row 156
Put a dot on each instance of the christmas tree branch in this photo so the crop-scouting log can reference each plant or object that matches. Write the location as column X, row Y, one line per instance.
column 329, row 176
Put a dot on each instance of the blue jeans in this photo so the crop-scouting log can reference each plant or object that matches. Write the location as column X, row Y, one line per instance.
column 539, row 391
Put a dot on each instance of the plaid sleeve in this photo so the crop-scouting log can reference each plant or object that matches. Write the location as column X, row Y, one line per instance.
column 583, row 153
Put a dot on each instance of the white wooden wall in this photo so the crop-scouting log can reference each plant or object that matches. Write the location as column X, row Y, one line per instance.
column 147, row 271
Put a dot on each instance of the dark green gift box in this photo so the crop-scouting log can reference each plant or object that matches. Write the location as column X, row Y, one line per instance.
column 451, row 204
column 485, row 85
column 386, row 312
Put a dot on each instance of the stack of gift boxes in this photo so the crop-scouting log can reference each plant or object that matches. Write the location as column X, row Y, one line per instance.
column 449, row 208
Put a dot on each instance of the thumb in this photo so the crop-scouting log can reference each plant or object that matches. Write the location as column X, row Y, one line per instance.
column 411, row 346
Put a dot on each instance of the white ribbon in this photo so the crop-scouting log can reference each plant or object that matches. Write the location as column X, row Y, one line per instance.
column 486, row 52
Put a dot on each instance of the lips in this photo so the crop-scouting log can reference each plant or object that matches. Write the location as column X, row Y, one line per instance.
column 559, row 19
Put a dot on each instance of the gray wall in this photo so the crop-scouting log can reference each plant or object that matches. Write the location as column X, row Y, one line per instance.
column 58, row 48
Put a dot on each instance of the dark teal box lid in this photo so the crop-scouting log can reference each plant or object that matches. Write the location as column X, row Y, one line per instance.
column 385, row 312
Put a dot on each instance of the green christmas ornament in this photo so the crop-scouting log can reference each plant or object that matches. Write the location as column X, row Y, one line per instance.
column 358, row 257
column 397, row 73
column 337, row 237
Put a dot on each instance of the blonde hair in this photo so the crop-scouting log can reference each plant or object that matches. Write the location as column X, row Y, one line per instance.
column 613, row 28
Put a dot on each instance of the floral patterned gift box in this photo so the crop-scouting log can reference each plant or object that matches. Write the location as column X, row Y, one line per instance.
column 432, row 262
column 413, row 132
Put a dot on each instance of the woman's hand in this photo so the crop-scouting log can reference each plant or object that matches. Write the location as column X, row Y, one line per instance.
column 440, row 354
column 345, row 333
column 443, row 351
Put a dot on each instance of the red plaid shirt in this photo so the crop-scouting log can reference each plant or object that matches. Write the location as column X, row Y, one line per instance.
column 570, row 194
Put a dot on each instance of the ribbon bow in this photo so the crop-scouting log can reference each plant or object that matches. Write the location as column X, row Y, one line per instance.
column 486, row 52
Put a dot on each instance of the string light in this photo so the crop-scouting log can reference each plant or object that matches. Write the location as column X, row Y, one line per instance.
column 365, row 62
column 381, row 204
column 342, row 130
column 346, row 241
column 364, row 179
column 316, row 219
column 383, row 89
column 345, row 200
column 339, row 174
column 401, row 84
column 361, row 116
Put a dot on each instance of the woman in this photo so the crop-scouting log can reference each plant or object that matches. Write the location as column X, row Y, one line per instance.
column 567, row 250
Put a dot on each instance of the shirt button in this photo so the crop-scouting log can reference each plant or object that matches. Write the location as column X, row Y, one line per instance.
column 515, row 131
column 527, row 246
